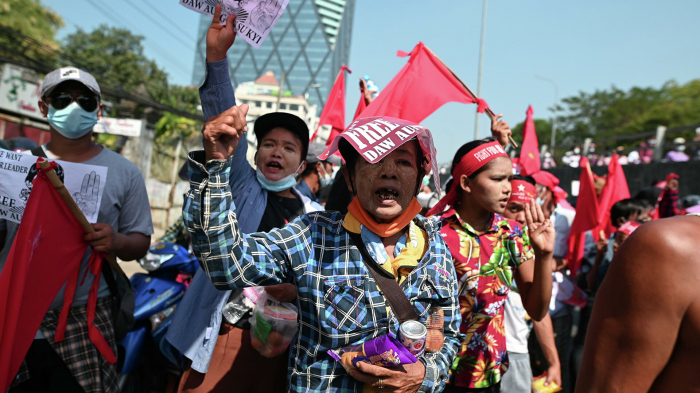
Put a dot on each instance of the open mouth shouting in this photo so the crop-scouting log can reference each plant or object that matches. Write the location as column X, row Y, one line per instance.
column 274, row 167
column 387, row 195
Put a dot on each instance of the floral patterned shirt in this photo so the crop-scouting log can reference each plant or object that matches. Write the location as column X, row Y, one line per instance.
column 484, row 262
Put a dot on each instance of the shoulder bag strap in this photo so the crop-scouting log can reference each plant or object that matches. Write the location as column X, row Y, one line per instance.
column 398, row 301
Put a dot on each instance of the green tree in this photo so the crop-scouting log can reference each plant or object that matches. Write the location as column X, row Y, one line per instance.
column 608, row 113
column 116, row 57
column 31, row 18
column 543, row 129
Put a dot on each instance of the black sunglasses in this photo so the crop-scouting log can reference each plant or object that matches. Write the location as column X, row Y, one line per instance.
column 89, row 103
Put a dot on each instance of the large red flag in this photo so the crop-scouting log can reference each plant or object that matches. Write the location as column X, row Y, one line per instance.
column 530, row 151
column 31, row 277
column 615, row 190
column 422, row 86
column 333, row 113
column 586, row 216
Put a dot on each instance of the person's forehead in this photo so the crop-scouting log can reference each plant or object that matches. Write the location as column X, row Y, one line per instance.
column 279, row 134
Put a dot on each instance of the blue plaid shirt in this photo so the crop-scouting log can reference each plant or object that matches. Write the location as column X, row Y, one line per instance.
column 338, row 300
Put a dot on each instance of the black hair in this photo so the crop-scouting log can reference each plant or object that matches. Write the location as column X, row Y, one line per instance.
column 466, row 148
column 528, row 179
column 649, row 194
column 310, row 168
column 624, row 209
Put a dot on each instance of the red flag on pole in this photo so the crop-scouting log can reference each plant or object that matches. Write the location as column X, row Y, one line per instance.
column 530, row 152
column 333, row 113
column 586, row 216
column 31, row 278
column 615, row 190
column 422, row 86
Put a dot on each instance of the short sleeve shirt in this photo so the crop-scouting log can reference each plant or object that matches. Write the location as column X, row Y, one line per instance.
column 485, row 276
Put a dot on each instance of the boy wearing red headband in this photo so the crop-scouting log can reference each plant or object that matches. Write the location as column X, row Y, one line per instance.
column 339, row 301
column 488, row 250
column 519, row 375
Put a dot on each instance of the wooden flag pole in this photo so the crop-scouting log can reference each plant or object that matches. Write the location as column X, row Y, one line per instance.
column 489, row 112
column 73, row 207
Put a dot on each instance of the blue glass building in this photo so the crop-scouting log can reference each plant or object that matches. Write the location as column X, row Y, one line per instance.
column 309, row 44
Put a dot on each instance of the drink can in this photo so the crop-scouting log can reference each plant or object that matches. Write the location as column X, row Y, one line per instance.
column 412, row 335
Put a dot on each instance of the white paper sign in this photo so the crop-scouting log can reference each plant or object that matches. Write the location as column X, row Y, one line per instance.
column 254, row 18
column 126, row 127
column 86, row 183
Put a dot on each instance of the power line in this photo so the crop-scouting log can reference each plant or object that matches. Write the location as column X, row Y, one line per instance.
column 155, row 47
column 172, row 22
column 21, row 59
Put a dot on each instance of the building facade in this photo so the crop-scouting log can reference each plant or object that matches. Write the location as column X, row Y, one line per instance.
column 306, row 48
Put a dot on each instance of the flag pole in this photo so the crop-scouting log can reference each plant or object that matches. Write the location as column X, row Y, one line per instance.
column 73, row 207
column 489, row 112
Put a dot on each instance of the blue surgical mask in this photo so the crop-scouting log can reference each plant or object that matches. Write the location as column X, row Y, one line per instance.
column 285, row 183
column 72, row 121
column 326, row 179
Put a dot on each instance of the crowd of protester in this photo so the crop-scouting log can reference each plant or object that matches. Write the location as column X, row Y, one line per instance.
column 323, row 228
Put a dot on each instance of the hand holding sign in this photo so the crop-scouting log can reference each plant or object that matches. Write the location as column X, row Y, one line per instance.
column 220, row 38
column 223, row 132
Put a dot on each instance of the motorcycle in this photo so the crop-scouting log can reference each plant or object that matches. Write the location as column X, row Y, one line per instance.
column 147, row 362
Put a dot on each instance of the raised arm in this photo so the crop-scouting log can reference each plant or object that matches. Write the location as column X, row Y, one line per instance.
column 231, row 259
column 639, row 309
column 534, row 276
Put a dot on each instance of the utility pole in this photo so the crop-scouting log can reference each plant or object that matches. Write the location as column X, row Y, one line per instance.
column 279, row 94
column 481, row 65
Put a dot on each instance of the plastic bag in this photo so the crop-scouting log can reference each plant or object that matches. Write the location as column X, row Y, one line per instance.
column 273, row 325
column 383, row 351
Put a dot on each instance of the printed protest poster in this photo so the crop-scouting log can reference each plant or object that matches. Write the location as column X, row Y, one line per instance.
column 86, row 184
column 254, row 18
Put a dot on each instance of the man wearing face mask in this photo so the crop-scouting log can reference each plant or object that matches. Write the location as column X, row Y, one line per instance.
column 70, row 100
column 211, row 326
column 318, row 173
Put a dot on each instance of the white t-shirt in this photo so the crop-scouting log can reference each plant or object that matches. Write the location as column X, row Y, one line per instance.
column 517, row 329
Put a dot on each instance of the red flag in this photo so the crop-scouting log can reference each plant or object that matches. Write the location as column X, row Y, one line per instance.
column 615, row 190
column 31, row 277
column 333, row 113
column 422, row 86
column 586, row 216
column 530, row 152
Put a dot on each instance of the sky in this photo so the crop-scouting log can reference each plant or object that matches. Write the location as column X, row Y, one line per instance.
column 581, row 46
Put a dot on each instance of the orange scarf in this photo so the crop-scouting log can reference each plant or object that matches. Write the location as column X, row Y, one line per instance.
column 384, row 230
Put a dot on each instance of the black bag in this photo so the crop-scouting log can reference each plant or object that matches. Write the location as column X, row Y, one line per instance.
column 122, row 298
column 120, row 289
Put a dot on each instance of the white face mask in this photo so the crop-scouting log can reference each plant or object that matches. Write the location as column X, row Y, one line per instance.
column 325, row 179
column 282, row 184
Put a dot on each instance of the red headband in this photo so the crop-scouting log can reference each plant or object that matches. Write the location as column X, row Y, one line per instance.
column 522, row 191
column 628, row 227
column 470, row 163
